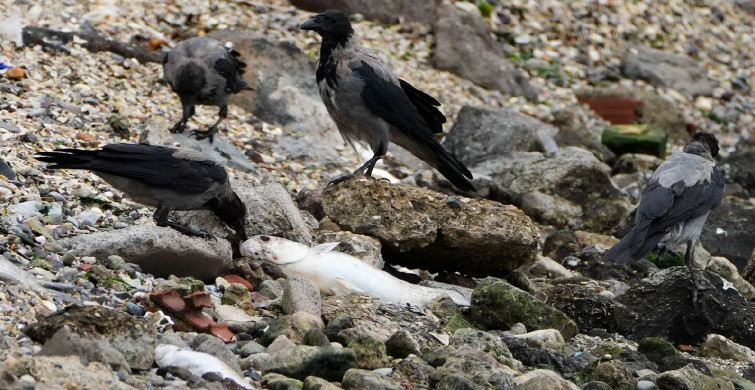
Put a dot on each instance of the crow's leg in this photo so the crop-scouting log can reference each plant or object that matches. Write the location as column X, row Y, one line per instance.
column 222, row 114
column 688, row 256
column 162, row 220
column 367, row 167
column 187, row 112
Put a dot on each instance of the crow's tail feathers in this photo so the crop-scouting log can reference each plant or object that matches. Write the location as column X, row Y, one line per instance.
column 68, row 158
column 627, row 250
column 453, row 170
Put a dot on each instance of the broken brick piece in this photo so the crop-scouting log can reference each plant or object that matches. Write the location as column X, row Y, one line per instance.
column 239, row 280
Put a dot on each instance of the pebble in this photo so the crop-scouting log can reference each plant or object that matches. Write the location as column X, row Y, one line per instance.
column 646, row 385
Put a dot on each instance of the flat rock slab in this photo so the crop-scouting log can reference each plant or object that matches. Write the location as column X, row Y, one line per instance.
column 157, row 250
column 386, row 11
column 421, row 228
column 666, row 69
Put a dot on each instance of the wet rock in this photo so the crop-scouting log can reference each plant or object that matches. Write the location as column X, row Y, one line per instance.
column 542, row 380
column 656, row 348
column 567, row 189
column 662, row 306
column 385, row 11
column 294, row 326
column 370, row 353
column 728, row 271
column 586, row 305
column 687, row 378
column 490, row 70
column 157, row 250
column 544, row 339
column 358, row 379
column 302, row 361
column 401, row 344
column 419, row 229
column 481, row 133
column 275, row 381
column 483, row 341
column 498, row 305
column 364, row 248
column 132, row 337
column 730, row 231
column 413, row 370
column 668, row 70
column 270, row 211
column 285, row 93
column 478, row 366
column 559, row 362
column 719, row 346
column 315, row 383
column 300, row 294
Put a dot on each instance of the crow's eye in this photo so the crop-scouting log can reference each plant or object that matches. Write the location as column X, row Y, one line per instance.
column 265, row 238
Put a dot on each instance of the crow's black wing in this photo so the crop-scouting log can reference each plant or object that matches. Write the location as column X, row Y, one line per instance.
column 426, row 105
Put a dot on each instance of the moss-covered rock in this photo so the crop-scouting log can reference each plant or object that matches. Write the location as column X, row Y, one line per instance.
column 614, row 373
column 369, row 352
column 688, row 378
column 275, row 381
column 656, row 348
column 623, row 139
column 302, row 361
column 498, row 305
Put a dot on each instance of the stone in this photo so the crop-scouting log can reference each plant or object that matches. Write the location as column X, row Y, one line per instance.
column 337, row 324
column 65, row 343
column 384, row 11
column 235, row 293
column 365, row 248
column 401, row 344
column 728, row 271
column 544, row 339
column 270, row 211
column 413, row 370
column 670, row 363
column 730, row 231
column 546, row 267
column 481, row 133
column 59, row 372
column 285, row 93
column 212, row 345
column 559, row 362
column 302, row 361
column 687, row 378
column 490, row 69
column 6, row 170
column 543, row 380
column 300, row 294
column 480, row 367
column 294, row 326
column 498, row 305
column 656, row 348
column 646, row 385
column 358, row 379
column 160, row 251
column 457, row 382
column 596, row 385
column 132, row 337
column 635, row 138
column 370, row 353
column 668, row 70
column 250, row 348
column 613, row 373
column 483, row 341
column 275, row 381
column 569, row 188
column 408, row 220
column 15, row 275
column 739, row 169
column 315, row 383
column 717, row 346
column 636, row 162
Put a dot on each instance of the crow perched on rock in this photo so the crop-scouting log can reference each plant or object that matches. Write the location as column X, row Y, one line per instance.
column 203, row 71
column 675, row 204
column 162, row 177
column 372, row 106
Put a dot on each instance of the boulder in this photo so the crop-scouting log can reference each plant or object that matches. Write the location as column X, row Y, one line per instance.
column 585, row 304
column 730, row 231
column 544, row 339
column 543, row 380
column 669, row 70
column 480, row 367
column 161, row 251
column 489, row 69
column 301, row 361
column 728, row 271
column 567, row 189
column 364, row 248
column 481, row 133
column 420, row 228
column 717, row 346
column 59, row 372
column 300, row 294
column 740, row 169
column 358, row 379
column 531, row 357
column 483, row 341
column 688, row 378
column 385, row 11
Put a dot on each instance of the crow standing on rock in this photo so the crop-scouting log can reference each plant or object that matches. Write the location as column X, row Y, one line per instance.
column 203, row 71
column 372, row 106
column 162, row 177
column 675, row 204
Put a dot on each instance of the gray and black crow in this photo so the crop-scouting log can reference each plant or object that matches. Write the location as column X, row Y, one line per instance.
column 203, row 71
column 162, row 177
column 675, row 204
column 372, row 106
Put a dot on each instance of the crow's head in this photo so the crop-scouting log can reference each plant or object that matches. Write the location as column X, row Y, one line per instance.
column 232, row 211
column 330, row 24
column 708, row 140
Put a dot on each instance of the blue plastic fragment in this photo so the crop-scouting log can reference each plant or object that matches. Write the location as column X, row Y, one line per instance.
column 4, row 66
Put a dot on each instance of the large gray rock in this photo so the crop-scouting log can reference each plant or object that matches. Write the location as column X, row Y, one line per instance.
column 489, row 68
column 386, row 11
column 688, row 378
column 421, row 228
column 357, row 379
column 269, row 210
column 730, row 231
column 483, row 341
column 300, row 294
column 161, row 251
column 285, row 93
column 668, row 70
column 478, row 366
column 302, row 361
column 59, row 372
column 561, row 363
column 567, row 189
column 740, row 169
column 481, row 133
column 13, row 274
column 543, row 379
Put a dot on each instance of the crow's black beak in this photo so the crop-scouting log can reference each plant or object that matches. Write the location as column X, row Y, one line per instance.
column 311, row 24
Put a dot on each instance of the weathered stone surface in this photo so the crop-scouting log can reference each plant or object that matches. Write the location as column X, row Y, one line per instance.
column 656, row 349
column 559, row 362
column 481, row 133
column 489, row 69
column 740, row 169
column 544, row 339
column 567, row 189
column 498, row 305
column 614, row 373
column 161, row 251
column 13, row 274
column 357, row 379
column 478, row 366
column 483, row 341
column 59, row 372
column 302, row 361
column 294, row 326
column 300, row 294
column 669, row 70
column 728, row 271
column 687, row 378
column 132, row 337
column 543, row 380
column 730, row 231
column 315, row 383
column 420, row 228
column 365, row 248
column 370, row 353
column 585, row 305
column 719, row 346
column 413, row 370
column 401, row 344
column 386, row 11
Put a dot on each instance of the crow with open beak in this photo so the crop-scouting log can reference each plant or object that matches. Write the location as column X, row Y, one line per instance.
column 675, row 204
column 203, row 71
column 372, row 106
column 162, row 177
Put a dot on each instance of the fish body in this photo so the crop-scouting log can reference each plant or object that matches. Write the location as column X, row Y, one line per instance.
column 198, row 363
column 340, row 274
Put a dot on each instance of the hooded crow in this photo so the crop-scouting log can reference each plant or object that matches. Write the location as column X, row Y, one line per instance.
column 203, row 71
column 162, row 177
column 372, row 106
column 675, row 204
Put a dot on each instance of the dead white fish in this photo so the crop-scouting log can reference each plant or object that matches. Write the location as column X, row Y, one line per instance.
column 198, row 363
column 338, row 273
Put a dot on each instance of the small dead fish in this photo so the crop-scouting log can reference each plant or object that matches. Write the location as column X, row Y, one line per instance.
column 198, row 363
column 340, row 274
